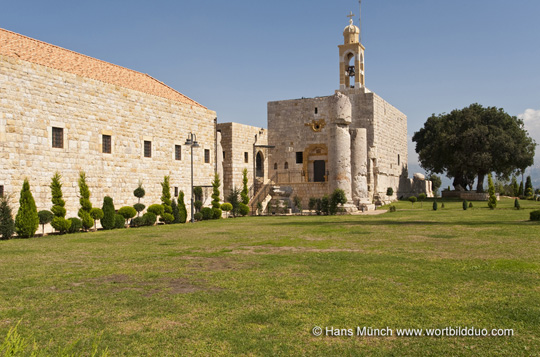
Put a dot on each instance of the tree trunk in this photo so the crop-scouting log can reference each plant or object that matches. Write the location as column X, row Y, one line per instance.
column 480, row 185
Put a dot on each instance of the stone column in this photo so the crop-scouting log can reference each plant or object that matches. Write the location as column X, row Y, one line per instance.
column 219, row 163
column 359, row 171
column 339, row 155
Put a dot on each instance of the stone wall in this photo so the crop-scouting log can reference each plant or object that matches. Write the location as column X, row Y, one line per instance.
column 36, row 98
column 237, row 140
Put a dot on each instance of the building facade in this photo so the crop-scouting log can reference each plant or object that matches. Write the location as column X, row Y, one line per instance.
column 61, row 111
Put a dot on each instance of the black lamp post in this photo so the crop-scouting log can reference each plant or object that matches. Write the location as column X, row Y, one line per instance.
column 192, row 141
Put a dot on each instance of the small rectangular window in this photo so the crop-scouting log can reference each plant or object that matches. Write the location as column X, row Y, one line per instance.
column 223, row 155
column 147, row 148
column 106, row 144
column 58, row 138
column 178, row 152
column 207, row 156
column 299, row 157
column 246, row 157
column 175, row 191
column 1, row 190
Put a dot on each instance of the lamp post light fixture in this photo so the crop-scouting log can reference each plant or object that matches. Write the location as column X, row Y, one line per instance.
column 192, row 141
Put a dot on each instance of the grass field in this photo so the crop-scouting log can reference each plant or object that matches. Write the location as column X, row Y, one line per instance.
column 259, row 285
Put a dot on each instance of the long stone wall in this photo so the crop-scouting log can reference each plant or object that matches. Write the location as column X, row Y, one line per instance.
column 34, row 99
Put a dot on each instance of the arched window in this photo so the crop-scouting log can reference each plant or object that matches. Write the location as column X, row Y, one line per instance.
column 286, row 166
column 259, row 161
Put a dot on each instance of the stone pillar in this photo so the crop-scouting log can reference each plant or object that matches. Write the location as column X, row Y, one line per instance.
column 359, row 170
column 219, row 163
column 339, row 158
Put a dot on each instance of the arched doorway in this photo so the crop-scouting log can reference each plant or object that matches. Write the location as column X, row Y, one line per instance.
column 259, row 165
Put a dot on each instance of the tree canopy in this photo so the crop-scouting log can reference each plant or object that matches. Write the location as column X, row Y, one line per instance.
column 471, row 142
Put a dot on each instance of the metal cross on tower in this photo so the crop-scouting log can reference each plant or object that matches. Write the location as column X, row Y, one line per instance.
column 360, row 21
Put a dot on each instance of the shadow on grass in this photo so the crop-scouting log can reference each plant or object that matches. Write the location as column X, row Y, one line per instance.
column 387, row 222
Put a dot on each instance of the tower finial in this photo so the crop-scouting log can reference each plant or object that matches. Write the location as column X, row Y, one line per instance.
column 350, row 16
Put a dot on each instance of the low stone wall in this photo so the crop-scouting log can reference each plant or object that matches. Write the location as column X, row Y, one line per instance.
column 468, row 195
column 307, row 190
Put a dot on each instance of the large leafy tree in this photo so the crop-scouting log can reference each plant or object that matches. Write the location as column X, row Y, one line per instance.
column 471, row 142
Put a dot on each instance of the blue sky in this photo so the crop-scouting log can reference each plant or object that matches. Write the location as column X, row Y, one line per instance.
column 422, row 56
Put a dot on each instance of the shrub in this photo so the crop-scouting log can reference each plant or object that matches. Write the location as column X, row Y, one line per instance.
column 435, row 205
column 232, row 198
column 119, row 221
column 139, row 207
column 127, row 212
column 318, row 206
column 442, row 205
column 27, row 220
column 325, row 205
column 337, row 198
column 137, row 222
column 84, row 212
column 107, row 221
column 516, row 204
column 198, row 216
column 139, row 192
column 207, row 213
column 156, row 209
column 7, row 224
column 389, row 191
column 412, row 200
column 215, row 191
column 216, row 213
column 243, row 209
column 312, row 203
column 198, row 205
column 421, row 198
column 198, row 193
column 226, row 207
column 166, row 195
column 535, row 215
column 175, row 211
column 392, row 208
column 167, row 218
column 297, row 203
column 182, row 208
column 245, row 192
column 149, row 219
column 45, row 217
column 465, row 205
column 470, row 205
column 58, row 202
column 259, row 208
column 61, row 224
column 76, row 225
column 96, row 213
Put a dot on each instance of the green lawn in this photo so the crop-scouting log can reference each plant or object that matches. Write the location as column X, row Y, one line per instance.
column 259, row 285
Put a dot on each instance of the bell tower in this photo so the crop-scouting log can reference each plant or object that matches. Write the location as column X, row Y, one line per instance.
column 351, row 58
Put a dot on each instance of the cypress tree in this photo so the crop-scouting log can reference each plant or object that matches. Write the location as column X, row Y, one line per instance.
column 7, row 225
column 86, row 205
column 175, row 211
column 166, row 195
column 59, row 222
column 182, row 207
column 108, row 220
column 515, row 186
column 520, row 191
column 245, row 192
column 492, row 201
column 529, row 191
column 27, row 220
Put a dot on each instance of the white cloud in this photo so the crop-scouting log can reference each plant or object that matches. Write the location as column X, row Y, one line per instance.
column 531, row 119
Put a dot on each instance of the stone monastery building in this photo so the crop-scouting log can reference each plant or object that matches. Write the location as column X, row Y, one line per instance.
column 65, row 112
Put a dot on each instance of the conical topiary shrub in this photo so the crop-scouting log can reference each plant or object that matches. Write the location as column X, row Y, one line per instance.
column 108, row 220
column 59, row 222
column 86, row 205
column 27, row 220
